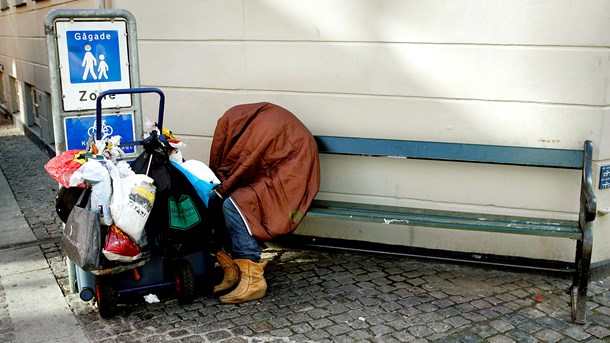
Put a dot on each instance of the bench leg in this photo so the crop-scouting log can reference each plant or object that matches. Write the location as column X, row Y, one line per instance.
column 580, row 284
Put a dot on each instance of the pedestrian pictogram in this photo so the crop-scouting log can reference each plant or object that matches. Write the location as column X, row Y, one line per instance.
column 89, row 62
column 94, row 56
column 103, row 68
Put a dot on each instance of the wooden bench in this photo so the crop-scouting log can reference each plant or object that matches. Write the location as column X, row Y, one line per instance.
column 579, row 230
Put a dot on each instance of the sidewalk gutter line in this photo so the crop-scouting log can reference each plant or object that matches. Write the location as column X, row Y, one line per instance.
column 42, row 241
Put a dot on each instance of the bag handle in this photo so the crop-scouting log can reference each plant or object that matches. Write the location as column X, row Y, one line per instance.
column 150, row 158
column 79, row 202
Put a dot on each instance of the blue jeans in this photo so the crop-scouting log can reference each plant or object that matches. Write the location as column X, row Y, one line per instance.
column 243, row 245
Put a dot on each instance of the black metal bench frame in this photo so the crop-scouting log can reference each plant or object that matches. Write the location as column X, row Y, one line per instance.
column 579, row 230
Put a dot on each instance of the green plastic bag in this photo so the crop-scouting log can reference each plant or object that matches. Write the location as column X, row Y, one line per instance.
column 183, row 213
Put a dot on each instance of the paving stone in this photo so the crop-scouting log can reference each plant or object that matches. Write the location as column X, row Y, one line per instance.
column 428, row 307
column 484, row 331
column 430, row 317
column 465, row 307
column 391, row 306
column 439, row 327
column 341, row 318
column 599, row 320
column 457, row 321
column 576, row 332
column 604, row 310
column 360, row 335
column 446, row 340
column 402, row 336
column 521, row 337
column 420, row 331
column 398, row 325
column 599, row 331
column 301, row 328
column 337, row 329
column 285, row 332
column 480, row 304
column 530, row 327
column 449, row 311
column 442, row 303
column 548, row 335
column 241, row 331
column 468, row 337
column 476, row 317
column 317, row 335
column 379, row 330
column 551, row 323
column 501, row 325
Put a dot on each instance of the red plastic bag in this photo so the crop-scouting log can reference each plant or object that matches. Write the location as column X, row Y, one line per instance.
column 119, row 247
column 62, row 166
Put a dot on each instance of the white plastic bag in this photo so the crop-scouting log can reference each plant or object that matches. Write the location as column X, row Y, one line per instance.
column 132, row 202
column 96, row 174
column 201, row 171
column 176, row 156
column 113, row 151
column 124, row 169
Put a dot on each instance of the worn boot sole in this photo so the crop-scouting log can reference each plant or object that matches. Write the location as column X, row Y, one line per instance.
column 238, row 300
column 224, row 288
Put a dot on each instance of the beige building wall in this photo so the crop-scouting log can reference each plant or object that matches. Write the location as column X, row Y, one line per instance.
column 525, row 73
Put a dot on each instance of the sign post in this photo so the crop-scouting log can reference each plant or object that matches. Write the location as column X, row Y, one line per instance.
column 91, row 51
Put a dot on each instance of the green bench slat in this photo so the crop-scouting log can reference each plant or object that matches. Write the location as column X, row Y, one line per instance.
column 511, row 155
column 445, row 219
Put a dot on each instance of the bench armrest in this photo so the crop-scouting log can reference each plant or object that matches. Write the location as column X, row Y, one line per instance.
column 588, row 200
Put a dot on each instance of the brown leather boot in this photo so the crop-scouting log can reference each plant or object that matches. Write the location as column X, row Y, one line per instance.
column 252, row 284
column 231, row 272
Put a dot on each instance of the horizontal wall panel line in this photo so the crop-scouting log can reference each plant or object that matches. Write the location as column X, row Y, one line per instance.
column 16, row 60
column 378, row 96
column 372, row 43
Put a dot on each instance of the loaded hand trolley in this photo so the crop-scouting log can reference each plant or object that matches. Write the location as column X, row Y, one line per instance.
column 176, row 257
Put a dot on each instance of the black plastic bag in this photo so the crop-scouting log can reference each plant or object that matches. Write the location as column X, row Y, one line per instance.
column 154, row 161
column 66, row 198
column 185, row 230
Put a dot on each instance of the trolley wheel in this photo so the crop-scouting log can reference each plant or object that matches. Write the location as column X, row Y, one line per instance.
column 107, row 299
column 185, row 281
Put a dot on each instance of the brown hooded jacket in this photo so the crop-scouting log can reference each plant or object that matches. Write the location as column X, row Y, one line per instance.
column 267, row 162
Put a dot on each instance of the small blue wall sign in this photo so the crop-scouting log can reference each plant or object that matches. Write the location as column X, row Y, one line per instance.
column 604, row 177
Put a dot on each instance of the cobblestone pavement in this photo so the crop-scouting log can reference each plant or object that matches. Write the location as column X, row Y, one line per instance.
column 324, row 296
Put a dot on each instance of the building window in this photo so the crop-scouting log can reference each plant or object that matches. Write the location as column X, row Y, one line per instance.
column 13, row 96
column 3, row 95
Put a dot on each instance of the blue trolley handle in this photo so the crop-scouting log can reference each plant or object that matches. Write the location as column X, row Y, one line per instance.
column 98, row 105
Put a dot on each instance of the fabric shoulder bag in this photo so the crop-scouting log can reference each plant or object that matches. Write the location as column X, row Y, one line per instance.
column 81, row 239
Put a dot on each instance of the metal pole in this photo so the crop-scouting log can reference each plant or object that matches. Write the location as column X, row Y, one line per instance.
column 55, row 83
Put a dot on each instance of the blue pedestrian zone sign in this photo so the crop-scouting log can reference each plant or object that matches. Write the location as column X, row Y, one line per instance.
column 79, row 129
column 94, row 56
